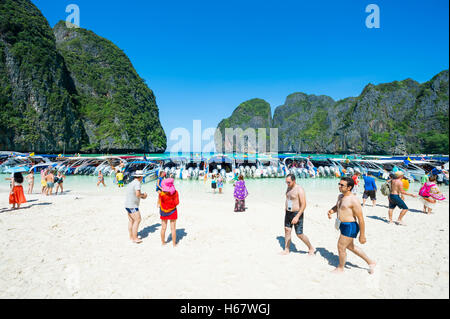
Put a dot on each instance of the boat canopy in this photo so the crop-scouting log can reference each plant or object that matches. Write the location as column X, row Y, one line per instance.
column 220, row 159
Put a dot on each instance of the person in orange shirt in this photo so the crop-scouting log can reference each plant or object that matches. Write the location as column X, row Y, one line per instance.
column 405, row 182
column 169, row 201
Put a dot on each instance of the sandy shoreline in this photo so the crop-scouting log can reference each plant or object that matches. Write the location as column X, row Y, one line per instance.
column 76, row 246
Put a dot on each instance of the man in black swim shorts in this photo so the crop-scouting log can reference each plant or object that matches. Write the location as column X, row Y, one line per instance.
column 295, row 211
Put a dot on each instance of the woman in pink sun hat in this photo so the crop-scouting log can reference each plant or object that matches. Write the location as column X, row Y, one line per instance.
column 169, row 201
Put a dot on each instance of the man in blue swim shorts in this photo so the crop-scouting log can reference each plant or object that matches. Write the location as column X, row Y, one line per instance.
column 395, row 199
column 349, row 210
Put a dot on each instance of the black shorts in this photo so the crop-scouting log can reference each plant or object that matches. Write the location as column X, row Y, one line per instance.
column 213, row 185
column 371, row 194
column 288, row 222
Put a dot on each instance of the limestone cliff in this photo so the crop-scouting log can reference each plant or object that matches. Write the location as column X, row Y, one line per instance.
column 391, row 118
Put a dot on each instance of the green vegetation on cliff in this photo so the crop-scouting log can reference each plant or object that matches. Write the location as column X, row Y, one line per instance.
column 389, row 118
column 255, row 114
column 116, row 104
column 37, row 111
column 69, row 89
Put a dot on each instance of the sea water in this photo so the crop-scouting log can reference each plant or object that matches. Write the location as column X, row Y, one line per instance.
column 88, row 185
column 168, row 155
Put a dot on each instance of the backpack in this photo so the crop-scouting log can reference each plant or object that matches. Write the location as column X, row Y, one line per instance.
column 425, row 190
column 386, row 189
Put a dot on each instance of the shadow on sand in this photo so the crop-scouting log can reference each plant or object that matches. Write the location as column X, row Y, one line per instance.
column 333, row 260
column 383, row 219
column 148, row 230
column 409, row 209
column 5, row 210
column 181, row 233
column 292, row 247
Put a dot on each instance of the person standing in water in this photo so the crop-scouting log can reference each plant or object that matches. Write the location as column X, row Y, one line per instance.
column 349, row 210
column 294, row 215
column 119, row 178
column 395, row 199
column 50, row 179
column 101, row 179
column 440, row 176
column 132, row 201
column 220, row 183
column 59, row 181
column 213, row 183
column 161, row 177
column 30, row 180
column 424, row 179
column 43, row 181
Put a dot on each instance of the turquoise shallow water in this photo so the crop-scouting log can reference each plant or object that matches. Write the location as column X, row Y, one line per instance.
column 88, row 184
column 209, row 155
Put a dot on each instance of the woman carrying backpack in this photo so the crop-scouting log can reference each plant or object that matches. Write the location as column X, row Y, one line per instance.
column 430, row 194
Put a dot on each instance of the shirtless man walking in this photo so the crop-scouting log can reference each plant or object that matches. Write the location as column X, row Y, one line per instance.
column 349, row 209
column 395, row 199
column 295, row 209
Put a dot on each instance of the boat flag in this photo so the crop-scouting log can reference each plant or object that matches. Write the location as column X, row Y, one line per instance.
column 407, row 161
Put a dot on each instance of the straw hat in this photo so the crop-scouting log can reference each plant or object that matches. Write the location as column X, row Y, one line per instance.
column 399, row 173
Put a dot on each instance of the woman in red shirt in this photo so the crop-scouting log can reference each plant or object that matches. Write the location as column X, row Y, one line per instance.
column 169, row 201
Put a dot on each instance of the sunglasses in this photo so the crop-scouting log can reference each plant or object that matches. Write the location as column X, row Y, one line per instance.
column 342, row 185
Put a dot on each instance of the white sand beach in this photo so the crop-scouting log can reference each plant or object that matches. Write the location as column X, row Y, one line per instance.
column 76, row 246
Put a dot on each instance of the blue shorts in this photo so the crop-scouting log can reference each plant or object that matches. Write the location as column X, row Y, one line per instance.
column 132, row 210
column 395, row 200
column 349, row 229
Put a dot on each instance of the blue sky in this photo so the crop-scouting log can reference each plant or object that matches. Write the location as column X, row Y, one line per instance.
column 203, row 58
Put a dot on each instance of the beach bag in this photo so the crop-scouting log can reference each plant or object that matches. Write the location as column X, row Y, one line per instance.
column 386, row 189
column 337, row 222
column 425, row 190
